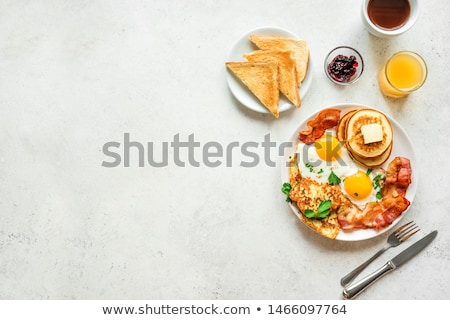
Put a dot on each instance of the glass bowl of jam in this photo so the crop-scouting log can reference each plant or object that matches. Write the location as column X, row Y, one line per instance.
column 344, row 65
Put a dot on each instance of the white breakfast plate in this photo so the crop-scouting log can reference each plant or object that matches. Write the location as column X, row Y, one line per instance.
column 240, row 91
column 402, row 146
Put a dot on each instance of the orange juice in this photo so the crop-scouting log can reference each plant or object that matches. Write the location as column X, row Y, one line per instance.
column 404, row 73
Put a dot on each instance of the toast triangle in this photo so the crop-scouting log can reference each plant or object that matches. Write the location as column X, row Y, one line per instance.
column 261, row 79
column 287, row 76
column 299, row 48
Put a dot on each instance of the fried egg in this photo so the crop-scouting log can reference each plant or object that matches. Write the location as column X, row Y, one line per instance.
column 328, row 161
column 326, row 156
column 363, row 186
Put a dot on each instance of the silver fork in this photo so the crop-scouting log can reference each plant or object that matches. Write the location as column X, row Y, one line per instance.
column 398, row 236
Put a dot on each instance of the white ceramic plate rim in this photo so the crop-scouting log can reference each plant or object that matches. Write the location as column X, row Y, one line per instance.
column 240, row 91
column 402, row 146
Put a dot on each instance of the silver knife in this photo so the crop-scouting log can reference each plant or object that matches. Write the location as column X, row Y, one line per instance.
column 354, row 289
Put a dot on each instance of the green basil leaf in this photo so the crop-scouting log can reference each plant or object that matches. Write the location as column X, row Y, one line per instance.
column 379, row 195
column 324, row 206
column 323, row 214
column 286, row 188
column 333, row 179
column 309, row 213
column 323, row 210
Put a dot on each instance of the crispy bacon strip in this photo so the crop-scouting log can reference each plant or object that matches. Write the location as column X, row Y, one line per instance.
column 398, row 176
column 327, row 118
column 378, row 215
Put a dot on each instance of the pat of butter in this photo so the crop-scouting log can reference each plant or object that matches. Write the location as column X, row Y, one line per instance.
column 372, row 132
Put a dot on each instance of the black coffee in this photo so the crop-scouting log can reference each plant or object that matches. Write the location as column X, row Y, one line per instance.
column 389, row 14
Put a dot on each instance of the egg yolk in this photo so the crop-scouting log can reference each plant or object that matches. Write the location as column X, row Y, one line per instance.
column 327, row 147
column 358, row 186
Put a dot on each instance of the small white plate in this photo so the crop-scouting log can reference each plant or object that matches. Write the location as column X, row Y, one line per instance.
column 402, row 147
column 240, row 91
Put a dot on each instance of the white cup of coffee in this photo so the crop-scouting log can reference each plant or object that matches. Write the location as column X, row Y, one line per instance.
column 389, row 18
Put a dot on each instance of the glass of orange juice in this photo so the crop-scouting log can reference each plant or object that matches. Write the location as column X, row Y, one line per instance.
column 402, row 74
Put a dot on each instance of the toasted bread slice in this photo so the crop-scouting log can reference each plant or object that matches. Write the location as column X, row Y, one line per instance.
column 355, row 139
column 308, row 194
column 328, row 227
column 261, row 79
column 287, row 76
column 294, row 172
column 299, row 48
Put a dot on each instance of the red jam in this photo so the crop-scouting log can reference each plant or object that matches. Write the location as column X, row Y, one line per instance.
column 342, row 68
